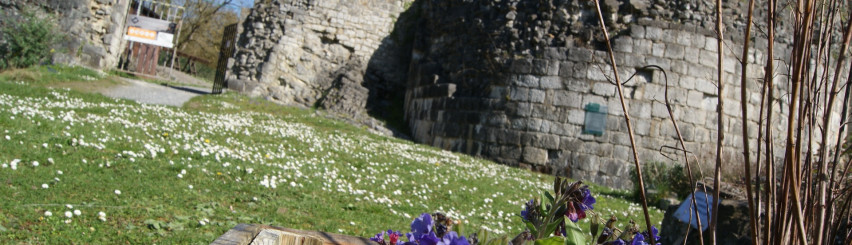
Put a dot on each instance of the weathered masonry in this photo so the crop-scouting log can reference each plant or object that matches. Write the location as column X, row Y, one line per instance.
column 521, row 82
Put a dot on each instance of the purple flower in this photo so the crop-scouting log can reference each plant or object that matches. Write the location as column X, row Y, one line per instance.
column 616, row 242
column 638, row 239
column 453, row 239
column 588, row 199
column 525, row 214
column 379, row 238
column 422, row 225
column 576, row 210
column 654, row 232
column 428, row 239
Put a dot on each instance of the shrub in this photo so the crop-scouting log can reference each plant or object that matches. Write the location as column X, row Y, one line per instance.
column 28, row 41
column 663, row 180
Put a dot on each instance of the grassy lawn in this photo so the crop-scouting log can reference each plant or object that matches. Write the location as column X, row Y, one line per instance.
column 170, row 175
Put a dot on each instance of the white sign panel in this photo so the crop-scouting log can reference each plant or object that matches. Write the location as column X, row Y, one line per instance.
column 150, row 31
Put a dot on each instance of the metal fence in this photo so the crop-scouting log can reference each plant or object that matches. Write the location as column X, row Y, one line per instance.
column 225, row 52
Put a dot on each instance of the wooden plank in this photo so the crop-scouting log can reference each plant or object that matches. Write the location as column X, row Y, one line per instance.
column 242, row 234
column 268, row 237
column 279, row 237
column 329, row 238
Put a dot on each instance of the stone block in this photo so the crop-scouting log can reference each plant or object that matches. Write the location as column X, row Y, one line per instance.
column 511, row 152
column 590, row 98
column 694, row 99
column 536, row 96
column 653, row 33
column 637, row 31
column 576, row 116
column 540, row 67
column 519, row 94
column 623, row 44
column 566, row 69
column 641, row 127
column 623, row 153
column 659, row 110
column 586, row 162
column 534, row 155
column 706, row 86
column 679, row 67
column 642, row 47
column 580, row 55
column 658, row 49
column 674, row 51
column 603, row 89
column 640, row 109
column 599, row 73
column 529, row 81
column 567, row 99
column 550, row 82
column 707, row 58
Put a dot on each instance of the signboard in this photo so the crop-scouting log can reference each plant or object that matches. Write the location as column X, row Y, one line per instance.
column 150, row 31
column 595, row 122
column 684, row 211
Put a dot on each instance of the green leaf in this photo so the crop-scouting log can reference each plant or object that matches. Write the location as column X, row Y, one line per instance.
column 574, row 235
column 532, row 228
column 549, row 196
column 553, row 226
column 555, row 240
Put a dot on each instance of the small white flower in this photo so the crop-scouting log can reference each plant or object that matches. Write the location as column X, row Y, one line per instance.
column 35, row 163
column 69, row 206
column 8, row 138
column 102, row 216
column 59, row 172
column 293, row 184
column 5, row 165
column 69, row 214
column 180, row 176
column 50, row 160
column 117, row 192
column 45, row 186
column 351, row 223
column 190, row 187
column 48, row 213
column 68, row 221
column 77, row 212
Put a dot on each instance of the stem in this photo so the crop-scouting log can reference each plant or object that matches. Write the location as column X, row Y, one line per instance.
column 743, row 105
column 832, row 95
column 770, row 155
column 720, row 127
column 686, row 160
column 627, row 120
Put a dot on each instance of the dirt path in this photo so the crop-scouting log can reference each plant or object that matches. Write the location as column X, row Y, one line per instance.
column 150, row 93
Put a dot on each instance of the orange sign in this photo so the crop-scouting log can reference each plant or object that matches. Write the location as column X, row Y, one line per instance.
column 141, row 33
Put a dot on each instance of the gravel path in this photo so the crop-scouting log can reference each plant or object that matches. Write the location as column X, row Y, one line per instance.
column 149, row 93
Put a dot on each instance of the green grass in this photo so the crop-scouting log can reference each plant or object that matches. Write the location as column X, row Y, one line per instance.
column 207, row 161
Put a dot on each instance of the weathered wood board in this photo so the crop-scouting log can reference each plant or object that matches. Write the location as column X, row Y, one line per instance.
column 251, row 234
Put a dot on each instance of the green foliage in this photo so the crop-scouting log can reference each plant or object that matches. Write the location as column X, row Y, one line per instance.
column 28, row 42
column 661, row 181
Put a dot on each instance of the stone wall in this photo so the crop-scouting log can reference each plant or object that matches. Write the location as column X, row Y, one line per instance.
column 328, row 53
column 536, row 65
column 91, row 29
column 509, row 80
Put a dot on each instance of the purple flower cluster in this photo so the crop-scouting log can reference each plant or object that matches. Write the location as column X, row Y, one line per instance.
column 421, row 234
column 638, row 239
column 577, row 209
